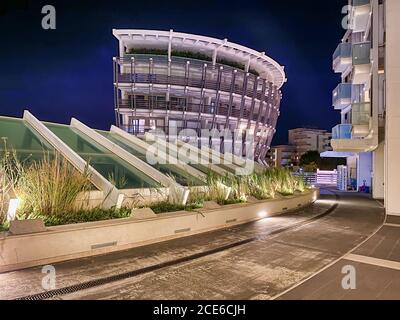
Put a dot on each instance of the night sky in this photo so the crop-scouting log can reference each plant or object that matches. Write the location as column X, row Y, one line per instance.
column 67, row 72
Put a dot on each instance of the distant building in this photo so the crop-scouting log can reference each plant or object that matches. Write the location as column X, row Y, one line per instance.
column 301, row 140
column 305, row 140
column 283, row 156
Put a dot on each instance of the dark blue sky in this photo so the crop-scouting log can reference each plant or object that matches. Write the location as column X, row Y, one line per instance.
column 68, row 72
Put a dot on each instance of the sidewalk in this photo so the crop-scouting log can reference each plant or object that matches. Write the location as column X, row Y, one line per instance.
column 377, row 267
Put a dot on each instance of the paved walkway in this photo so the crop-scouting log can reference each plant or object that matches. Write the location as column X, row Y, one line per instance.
column 282, row 251
column 377, row 271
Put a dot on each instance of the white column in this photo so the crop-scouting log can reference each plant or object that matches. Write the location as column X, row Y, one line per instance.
column 214, row 58
column 247, row 68
column 170, row 44
column 121, row 48
column 392, row 160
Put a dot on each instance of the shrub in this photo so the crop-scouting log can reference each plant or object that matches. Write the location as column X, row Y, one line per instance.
column 190, row 55
column 50, row 187
column 165, row 206
column 262, row 186
column 217, row 188
column 96, row 214
column 157, row 52
column 47, row 187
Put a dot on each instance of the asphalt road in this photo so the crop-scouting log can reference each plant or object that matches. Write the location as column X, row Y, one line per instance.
column 259, row 260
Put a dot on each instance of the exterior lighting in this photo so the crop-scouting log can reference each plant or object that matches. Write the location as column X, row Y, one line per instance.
column 12, row 209
column 262, row 214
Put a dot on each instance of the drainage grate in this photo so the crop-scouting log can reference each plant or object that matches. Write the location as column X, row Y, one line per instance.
column 104, row 245
column 95, row 283
column 231, row 221
column 182, row 230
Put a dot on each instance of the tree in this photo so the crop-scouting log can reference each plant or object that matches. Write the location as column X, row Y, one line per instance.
column 312, row 159
column 309, row 158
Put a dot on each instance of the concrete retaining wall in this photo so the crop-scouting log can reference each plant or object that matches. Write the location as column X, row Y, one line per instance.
column 88, row 239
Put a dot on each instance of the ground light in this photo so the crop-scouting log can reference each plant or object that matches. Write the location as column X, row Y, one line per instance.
column 262, row 214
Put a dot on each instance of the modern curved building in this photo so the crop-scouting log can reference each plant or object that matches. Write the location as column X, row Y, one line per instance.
column 166, row 79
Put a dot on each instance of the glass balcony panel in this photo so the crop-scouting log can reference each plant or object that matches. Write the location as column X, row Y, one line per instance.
column 342, row 51
column 357, row 93
column 362, row 53
column 342, row 131
column 361, row 113
column 342, row 57
column 357, row 3
column 341, row 96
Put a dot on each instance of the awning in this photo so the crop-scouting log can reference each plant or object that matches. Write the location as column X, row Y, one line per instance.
column 334, row 154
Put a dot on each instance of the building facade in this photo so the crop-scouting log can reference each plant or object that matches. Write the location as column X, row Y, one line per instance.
column 283, row 156
column 166, row 79
column 368, row 96
column 310, row 140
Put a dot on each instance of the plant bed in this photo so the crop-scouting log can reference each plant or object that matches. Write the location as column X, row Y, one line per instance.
column 165, row 207
column 60, row 243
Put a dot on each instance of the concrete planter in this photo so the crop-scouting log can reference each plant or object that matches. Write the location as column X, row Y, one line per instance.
column 87, row 239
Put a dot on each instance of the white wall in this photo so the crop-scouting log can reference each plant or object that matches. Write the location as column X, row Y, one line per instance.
column 364, row 169
column 392, row 161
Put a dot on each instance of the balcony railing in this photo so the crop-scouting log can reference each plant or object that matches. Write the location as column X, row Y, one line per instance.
column 362, row 53
column 357, row 3
column 189, row 72
column 345, row 94
column 341, row 96
column 342, row 131
column 342, row 57
column 360, row 15
column 361, row 114
column 222, row 110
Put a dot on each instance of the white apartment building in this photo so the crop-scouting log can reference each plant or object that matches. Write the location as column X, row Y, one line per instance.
column 368, row 97
column 310, row 140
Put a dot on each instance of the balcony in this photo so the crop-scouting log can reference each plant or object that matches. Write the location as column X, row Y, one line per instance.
column 342, row 131
column 357, row 136
column 360, row 15
column 343, row 140
column 361, row 57
column 360, row 118
column 354, row 145
column 358, row 3
column 361, row 113
column 342, row 57
column 341, row 96
column 345, row 94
